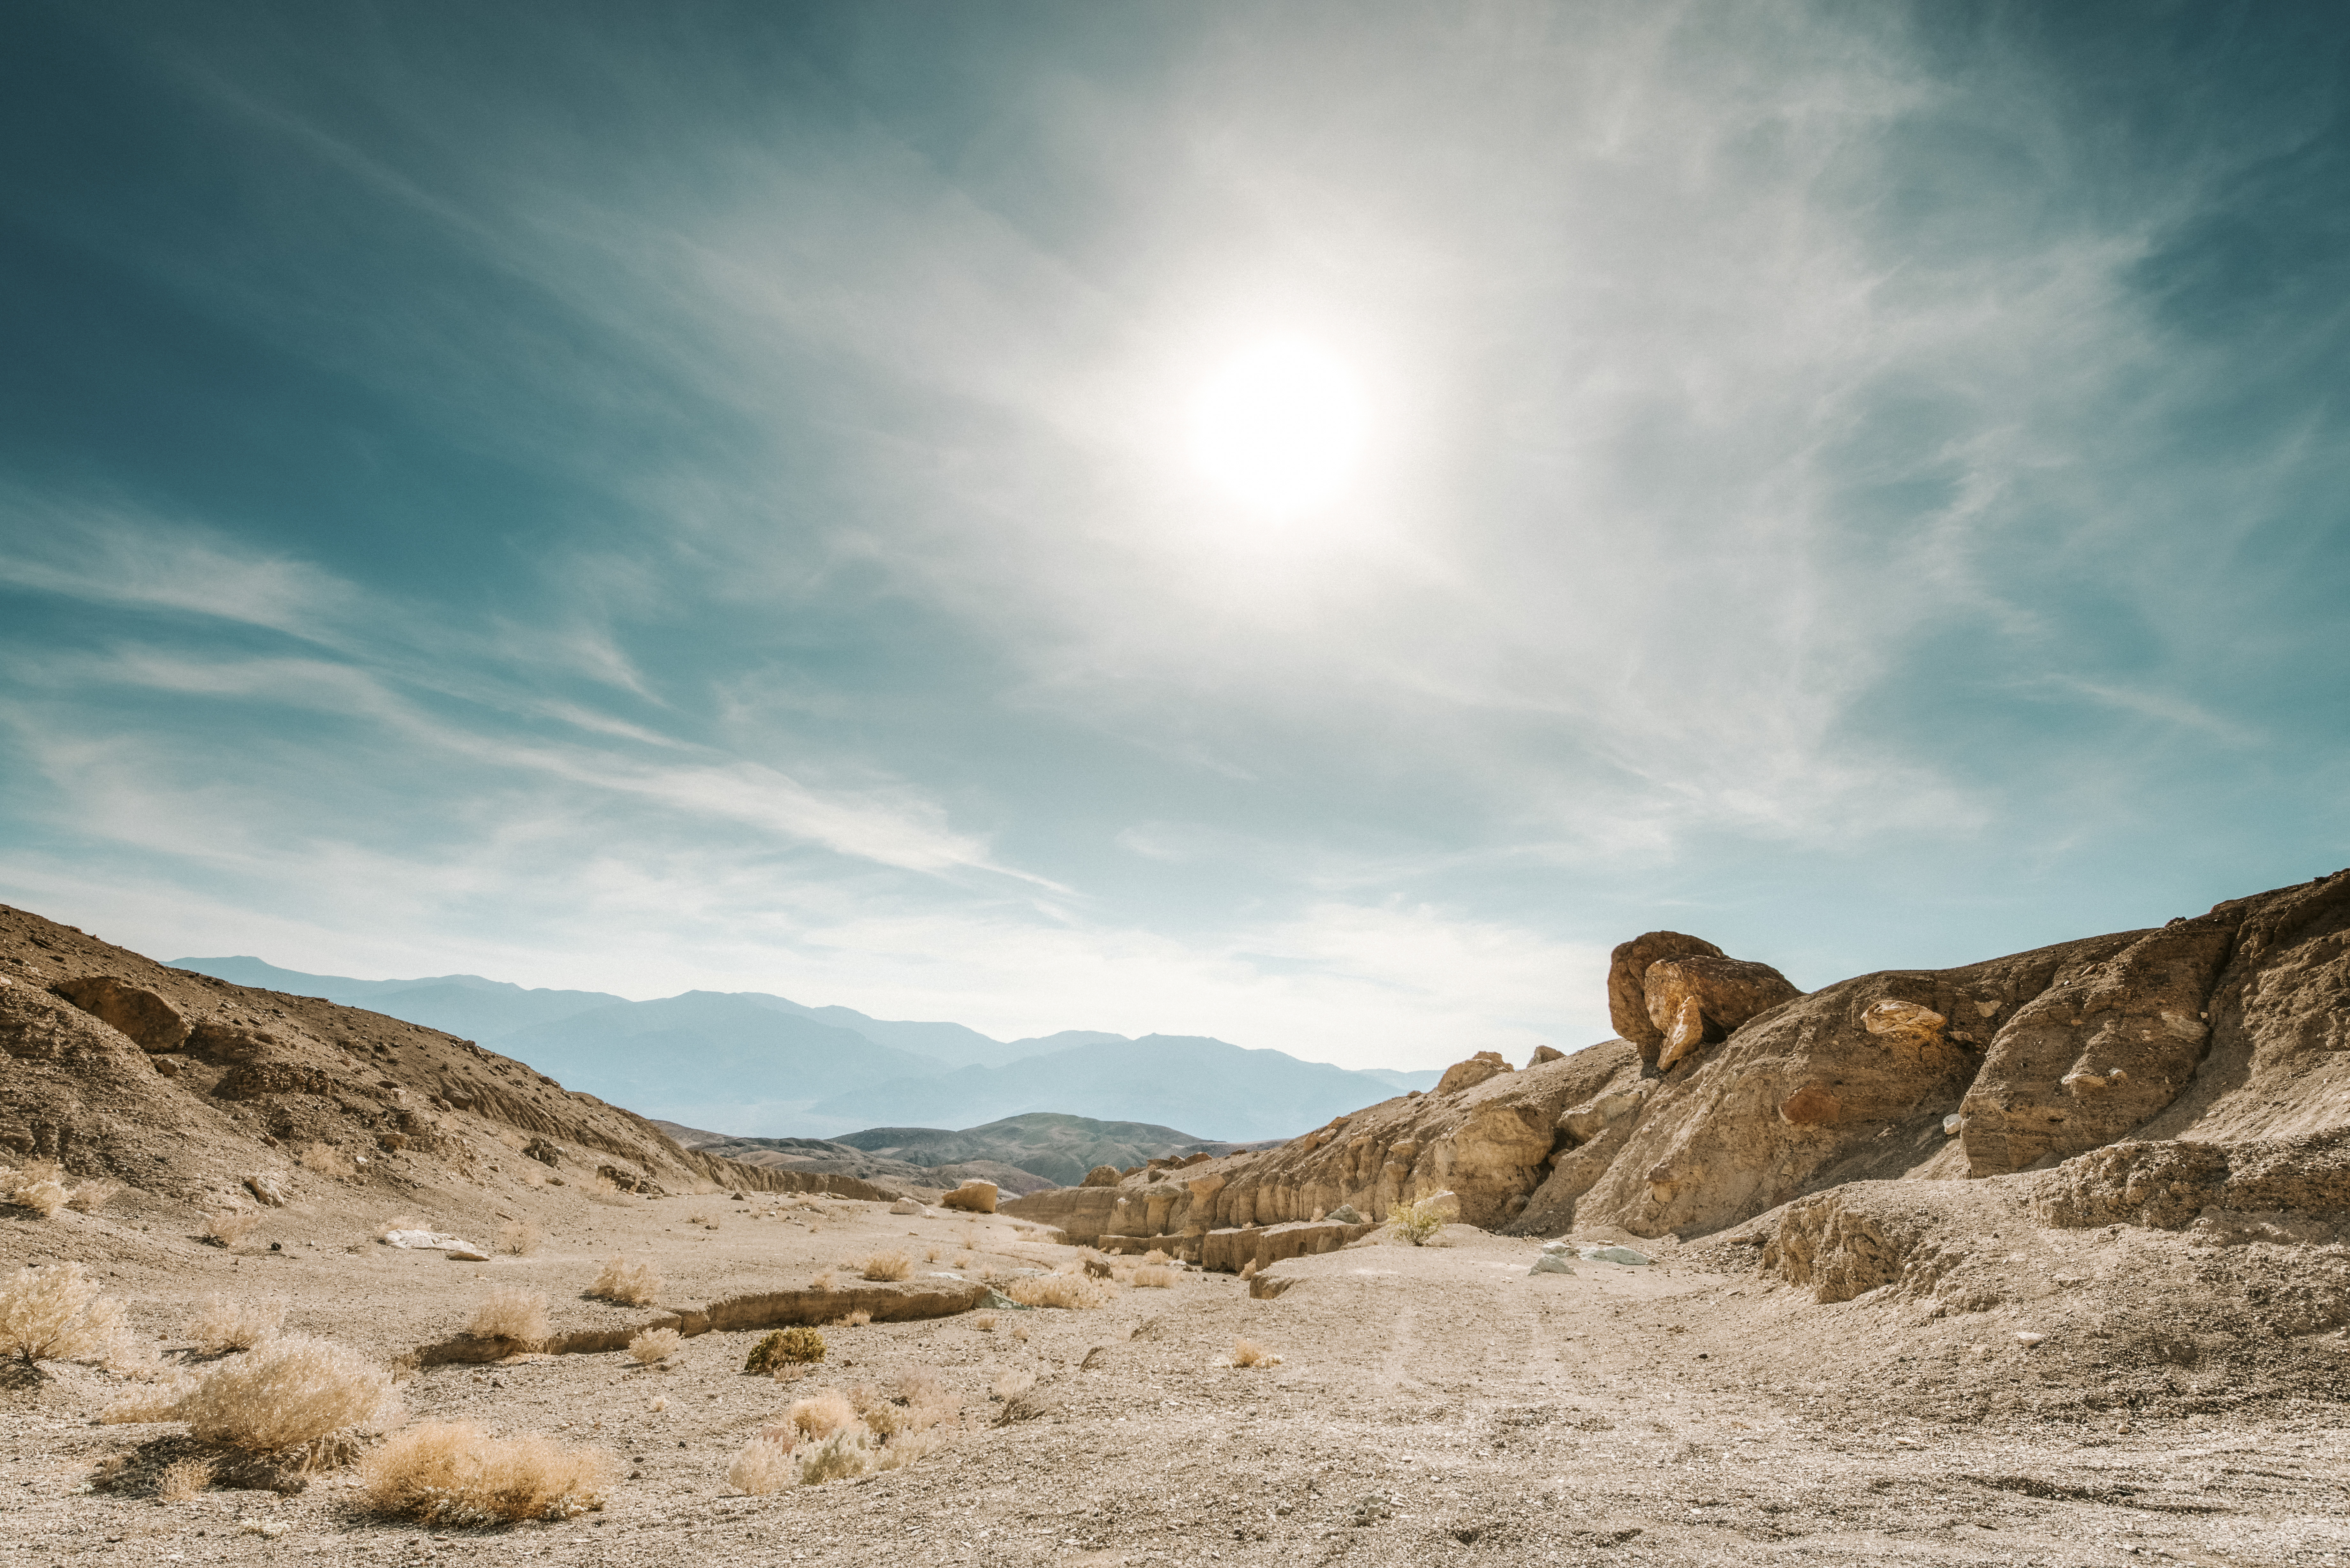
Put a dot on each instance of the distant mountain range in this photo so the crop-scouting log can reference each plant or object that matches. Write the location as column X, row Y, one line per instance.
column 756, row 1065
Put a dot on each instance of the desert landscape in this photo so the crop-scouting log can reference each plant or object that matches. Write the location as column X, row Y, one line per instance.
column 2036, row 1261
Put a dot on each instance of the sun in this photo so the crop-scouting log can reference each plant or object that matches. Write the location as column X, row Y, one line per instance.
column 1280, row 427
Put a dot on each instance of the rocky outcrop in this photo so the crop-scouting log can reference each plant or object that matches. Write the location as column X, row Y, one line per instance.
column 2169, row 1185
column 1102, row 1175
column 154, row 1023
column 1490, row 1143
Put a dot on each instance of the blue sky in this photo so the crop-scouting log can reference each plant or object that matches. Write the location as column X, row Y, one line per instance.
column 645, row 497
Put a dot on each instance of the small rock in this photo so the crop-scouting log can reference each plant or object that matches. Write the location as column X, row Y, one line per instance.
column 909, row 1206
column 1345, row 1214
column 269, row 1187
column 2027, row 1339
column 1551, row 1263
column 1614, row 1255
column 1952, row 1124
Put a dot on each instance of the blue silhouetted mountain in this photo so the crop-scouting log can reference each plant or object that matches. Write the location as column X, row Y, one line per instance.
column 463, row 1004
column 1218, row 1091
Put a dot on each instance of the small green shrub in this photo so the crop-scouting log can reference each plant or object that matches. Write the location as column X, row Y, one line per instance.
column 785, row 1346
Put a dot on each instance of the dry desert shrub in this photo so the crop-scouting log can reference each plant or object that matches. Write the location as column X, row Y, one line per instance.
column 56, row 1313
column 1155, row 1256
column 227, row 1227
column 820, row 1415
column 529, row 1174
column 222, row 1324
column 962, row 1260
column 321, row 1160
column 698, row 1218
column 42, row 1197
column 786, row 1347
column 630, row 1284
column 514, row 1313
column 1069, row 1291
column 929, row 1255
column 856, row 1319
column 984, row 1320
column 1151, row 1277
column 1020, row 1332
column 655, row 1345
column 822, row 1281
column 1416, row 1223
column 40, row 1187
column 887, row 1266
column 1248, row 1353
column 93, row 1195
column 184, row 1480
column 763, row 1465
column 453, row 1473
column 840, row 1456
column 284, row 1391
column 520, row 1238
column 1012, row 1384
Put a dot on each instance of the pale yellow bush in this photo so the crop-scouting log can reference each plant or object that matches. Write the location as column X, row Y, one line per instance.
column 514, row 1313
column 520, row 1238
column 1416, row 1223
column 856, row 1319
column 1248, row 1353
column 285, row 1391
column 57, row 1313
column 42, row 1197
column 230, row 1226
column 225, row 1325
column 1014, row 1383
column 655, row 1345
column 630, row 1284
column 822, row 1281
column 821, row 1415
column 1156, row 1256
column 1069, row 1291
column 321, row 1160
column 846, row 1454
column 453, row 1473
column 184, row 1480
column 929, row 1255
column 1020, row 1332
column 40, row 1187
column 1151, row 1277
column 94, row 1194
column 887, row 1266
column 984, row 1320
column 763, row 1465
column 962, row 1260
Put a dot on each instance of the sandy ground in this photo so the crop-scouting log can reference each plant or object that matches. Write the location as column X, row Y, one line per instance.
column 1432, row 1405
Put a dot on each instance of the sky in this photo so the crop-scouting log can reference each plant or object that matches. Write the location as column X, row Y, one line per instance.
column 1303, row 524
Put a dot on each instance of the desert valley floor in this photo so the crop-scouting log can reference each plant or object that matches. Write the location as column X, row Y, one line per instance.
column 1431, row 1405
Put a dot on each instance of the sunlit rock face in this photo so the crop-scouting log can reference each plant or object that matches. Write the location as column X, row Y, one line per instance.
column 1700, row 999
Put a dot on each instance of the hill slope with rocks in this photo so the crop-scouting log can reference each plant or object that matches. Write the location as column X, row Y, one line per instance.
column 224, row 1095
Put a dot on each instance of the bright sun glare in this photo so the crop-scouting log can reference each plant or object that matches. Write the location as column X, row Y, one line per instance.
column 1279, row 427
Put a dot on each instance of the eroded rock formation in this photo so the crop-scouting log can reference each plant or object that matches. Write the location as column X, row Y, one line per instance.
column 1732, row 1093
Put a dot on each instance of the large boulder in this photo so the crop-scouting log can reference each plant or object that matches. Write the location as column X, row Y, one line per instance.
column 1628, row 992
column 139, row 1012
column 1702, row 999
column 973, row 1197
column 1468, row 1074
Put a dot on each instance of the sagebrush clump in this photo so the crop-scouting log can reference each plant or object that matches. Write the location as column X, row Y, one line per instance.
column 784, row 1347
column 222, row 1324
column 511, row 1313
column 285, row 1392
column 630, row 1284
column 453, row 1473
column 1069, row 1290
column 1415, row 1222
column 887, row 1266
column 1248, row 1353
column 227, row 1227
column 655, row 1345
column 520, row 1239
column 1151, row 1277
column 60, row 1313
column 39, row 1186
column 835, row 1436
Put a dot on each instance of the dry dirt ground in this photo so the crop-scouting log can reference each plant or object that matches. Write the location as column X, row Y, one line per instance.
column 1432, row 1405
